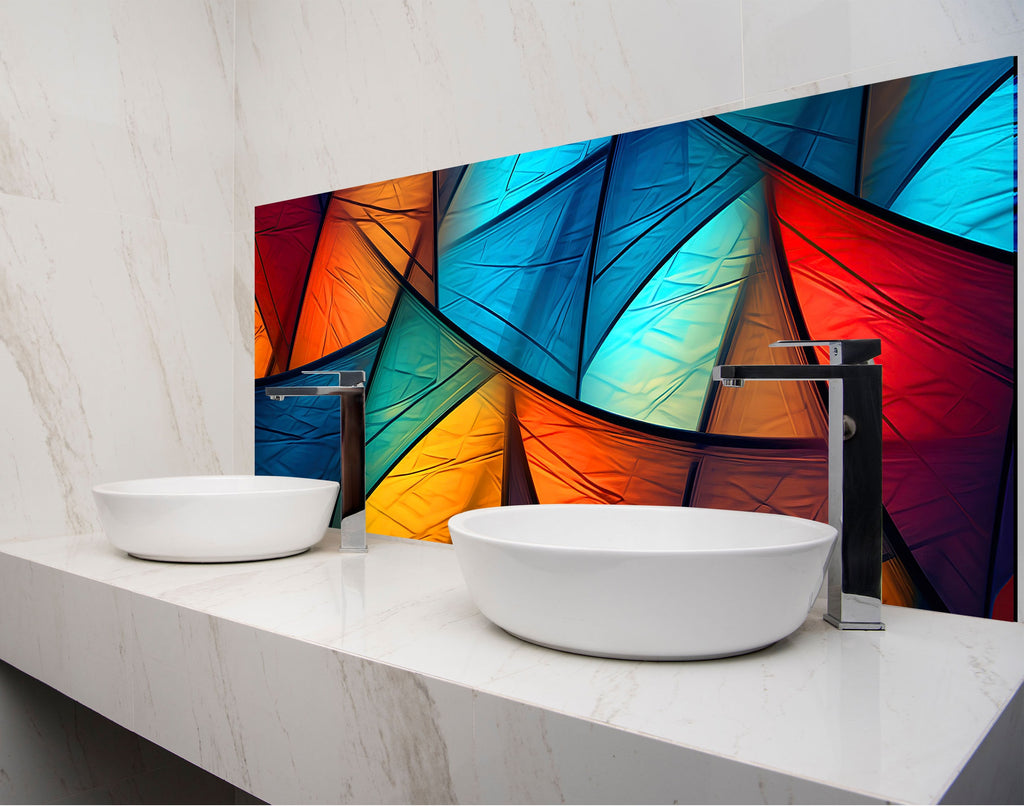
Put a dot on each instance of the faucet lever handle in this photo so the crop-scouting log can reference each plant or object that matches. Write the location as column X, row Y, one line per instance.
column 323, row 372
column 345, row 377
column 840, row 351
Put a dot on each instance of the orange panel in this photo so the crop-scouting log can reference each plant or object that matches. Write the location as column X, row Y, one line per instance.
column 397, row 218
column 897, row 587
column 576, row 458
column 370, row 234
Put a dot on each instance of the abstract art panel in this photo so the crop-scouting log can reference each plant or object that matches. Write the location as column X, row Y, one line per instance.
column 541, row 328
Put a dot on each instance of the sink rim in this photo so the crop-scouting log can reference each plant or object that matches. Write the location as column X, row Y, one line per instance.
column 264, row 485
column 827, row 533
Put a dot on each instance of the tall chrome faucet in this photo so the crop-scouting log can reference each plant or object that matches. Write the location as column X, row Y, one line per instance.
column 351, row 389
column 854, row 469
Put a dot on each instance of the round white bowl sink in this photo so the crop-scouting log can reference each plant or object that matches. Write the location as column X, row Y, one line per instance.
column 210, row 519
column 646, row 583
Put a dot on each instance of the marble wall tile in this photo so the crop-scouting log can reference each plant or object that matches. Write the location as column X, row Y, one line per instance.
column 243, row 349
column 811, row 46
column 333, row 95
column 116, row 347
column 120, row 106
column 317, row 82
column 507, row 77
column 116, row 311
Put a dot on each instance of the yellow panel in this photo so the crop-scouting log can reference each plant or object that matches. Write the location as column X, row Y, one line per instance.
column 455, row 467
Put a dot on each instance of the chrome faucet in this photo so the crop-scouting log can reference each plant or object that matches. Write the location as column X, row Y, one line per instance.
column 854, row 469
column 351, row 389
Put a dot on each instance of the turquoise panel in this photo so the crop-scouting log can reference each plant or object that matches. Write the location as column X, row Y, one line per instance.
column 422, row 373
column 513, row 256
column 967, row 187
column 820, row 133
column 475, row 195
column 655, row 364
column 928, row 108
column 663, row 185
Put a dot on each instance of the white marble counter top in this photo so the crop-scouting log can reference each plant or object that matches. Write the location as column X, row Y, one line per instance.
column 373, row 678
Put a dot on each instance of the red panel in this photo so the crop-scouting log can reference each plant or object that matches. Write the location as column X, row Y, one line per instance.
column 945, row 318
column 286, row 234
column 1002, row 608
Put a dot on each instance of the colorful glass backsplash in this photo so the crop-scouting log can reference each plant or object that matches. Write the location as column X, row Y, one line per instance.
column 542, row 327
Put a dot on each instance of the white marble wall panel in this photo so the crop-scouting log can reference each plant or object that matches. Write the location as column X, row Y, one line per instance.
column 119, row 106
column 336, row 94
column 116, row 253
column 116, row 349
column 804, row 47
column 333, row 94
column 243, row 349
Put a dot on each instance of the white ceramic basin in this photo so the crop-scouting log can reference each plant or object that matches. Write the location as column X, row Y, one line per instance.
column 647, row 583
column 210, row 519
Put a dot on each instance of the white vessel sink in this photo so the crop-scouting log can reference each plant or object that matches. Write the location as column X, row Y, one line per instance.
column 647, row 583
column 209, row 519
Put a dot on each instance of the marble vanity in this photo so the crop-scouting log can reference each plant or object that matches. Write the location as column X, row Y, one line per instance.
column 373, row 678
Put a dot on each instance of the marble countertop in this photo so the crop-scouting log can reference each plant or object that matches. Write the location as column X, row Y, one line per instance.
column 823, row 715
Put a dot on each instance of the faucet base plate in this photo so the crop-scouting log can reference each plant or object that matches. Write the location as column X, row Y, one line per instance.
column 854, row 625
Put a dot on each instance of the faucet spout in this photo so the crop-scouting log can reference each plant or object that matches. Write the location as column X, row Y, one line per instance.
column 351, row 391
column 854, row 469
